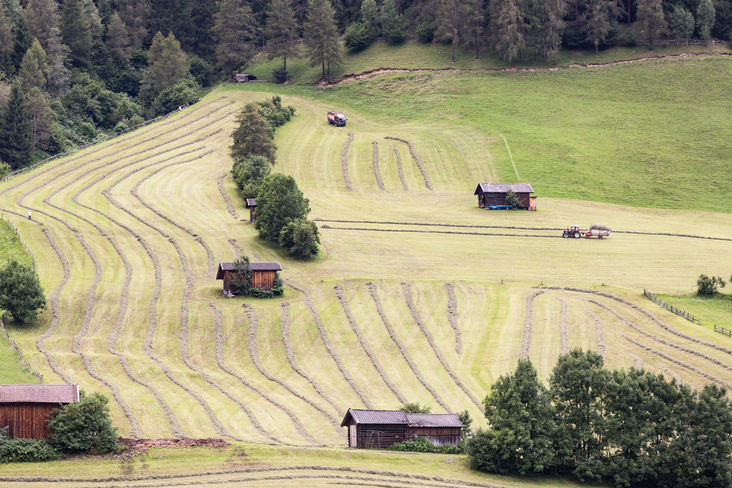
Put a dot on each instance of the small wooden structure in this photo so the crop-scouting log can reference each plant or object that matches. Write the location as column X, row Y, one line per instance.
column 243, row 77
column 24, row 409
column 490, row 194
column 252, row 206
column 382, row 428
column 263, row 275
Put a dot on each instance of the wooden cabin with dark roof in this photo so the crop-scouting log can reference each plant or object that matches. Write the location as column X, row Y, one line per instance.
column 263, row 275
column 492, row 194
column 24, row 409
column 381, row 428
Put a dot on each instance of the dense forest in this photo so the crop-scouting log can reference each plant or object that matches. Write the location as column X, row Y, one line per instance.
column 74, row 70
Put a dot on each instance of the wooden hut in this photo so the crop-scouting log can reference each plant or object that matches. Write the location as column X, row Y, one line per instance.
column 243, row 77
column 252, row 206
column 24, row 409
column 263, row 275
column 491, row 194
column 382, row 428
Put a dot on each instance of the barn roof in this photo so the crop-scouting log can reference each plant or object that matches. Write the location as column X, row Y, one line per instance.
column 251, row 202
column 397, row 417
column 39, row 393
column 274, row 266
column 503, row 188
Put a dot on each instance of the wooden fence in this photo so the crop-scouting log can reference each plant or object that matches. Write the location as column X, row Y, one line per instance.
column 722, row 330
column 671, row 308
column 21, row 358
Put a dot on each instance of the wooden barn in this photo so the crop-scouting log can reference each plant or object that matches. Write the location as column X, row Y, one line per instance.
column 263, row 275
column 252, row 206
column 490, row 194
column 381, row 428
column 243, row 77
column 24, row 409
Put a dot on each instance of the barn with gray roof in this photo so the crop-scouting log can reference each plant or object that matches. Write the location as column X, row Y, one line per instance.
column 381, row 428
column 490, row 194
column 24, row 409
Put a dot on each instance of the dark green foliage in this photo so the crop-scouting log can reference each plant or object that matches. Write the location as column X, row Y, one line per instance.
column 234, row 29
column 467, row 420
column 185, row 92
column 20, row 291
column 277, row 289
column 241, row 281
column 24, row 450
column 358, row 36
column 249, row 173
column 83, row 427
column 709, row 285
column 300, row 238
column 421, row 444
column 321, row 36
column 281, row 31
column 397, row 31
column 167, row 65
column 682, row 23
column 652, row 19
column 415, row 408
column 253, row 135
column 425, row 32
column 280, row 75
column 521, row 420
column 705, row 19
column 89, row 100
column 16, row 131
column 279, row 200
column 77, row 31
column 5, row 169
column 202, row 71
column 599, row 20
column 513, row 199
column 275, row 113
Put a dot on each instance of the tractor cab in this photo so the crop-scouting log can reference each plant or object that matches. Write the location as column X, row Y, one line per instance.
column 572, row 231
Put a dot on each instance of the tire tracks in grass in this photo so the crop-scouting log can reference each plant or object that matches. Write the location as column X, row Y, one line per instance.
column 660, row 340
column 296, row 367
column 412, row 365
column 375, row 165
column 229, row 207
column 221, row 361
column 254, row 353
column 331, row 350
column 409, row 299
column 462, row 154
column 417, row 161
column 452, row 316
column 400, row 168
column 341, row 295
column 344, row 161
column 563, row 340
column 528, row 325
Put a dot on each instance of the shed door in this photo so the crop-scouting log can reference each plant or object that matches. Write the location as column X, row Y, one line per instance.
column 352, row 435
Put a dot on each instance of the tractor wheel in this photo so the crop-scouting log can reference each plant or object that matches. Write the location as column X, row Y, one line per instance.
column 565, row 234
column 576, row 235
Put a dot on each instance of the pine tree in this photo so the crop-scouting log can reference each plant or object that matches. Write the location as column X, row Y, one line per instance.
column 281, row 30
column 253, row 135
column 448, row 23
column 167, row 63
column 551, row 19
column 371, row 17
column 135, row 15
column 76, row 31
column 598, row 20
column 705, row 19
column 235, row 33
column 682, row 23
column 16, row 132
column 474, row 14
column 118, row 40
column 651, row 17
column 33, row 68
column 321, row 36
column 507, row 22
column 42, row 17
column 7, row 40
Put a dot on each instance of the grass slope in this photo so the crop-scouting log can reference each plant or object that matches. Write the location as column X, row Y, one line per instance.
column 431, row 312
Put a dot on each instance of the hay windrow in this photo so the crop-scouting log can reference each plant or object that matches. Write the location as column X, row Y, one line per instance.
column 417, row 161
column 400, row 168
column 375, row 165
column 452, row 316
column 344, row 162
column 528, row 325
column 229, row 207
column 563, row 340
column 599, row 335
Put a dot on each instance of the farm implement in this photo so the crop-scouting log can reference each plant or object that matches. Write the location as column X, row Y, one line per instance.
column 596, row 230
column 336, row 118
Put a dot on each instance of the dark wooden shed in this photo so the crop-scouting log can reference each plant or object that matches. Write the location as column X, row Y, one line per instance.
column 381, row 428
column 243, row 77
column 495, row 194
column 24, row 409
column 263, row 275
column 252, row 206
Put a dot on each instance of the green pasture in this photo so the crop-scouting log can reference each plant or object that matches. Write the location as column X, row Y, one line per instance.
column 417, row 295
column 709, row 310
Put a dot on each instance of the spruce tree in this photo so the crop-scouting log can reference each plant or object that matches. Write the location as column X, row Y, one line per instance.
column 253, row 135
column 705, row 19
column 76, row 31
column 42, row 17
column 16, row 132
column 281, row 30
column 135, row 15
column 117, row 38
column 474, row 15
column 34, row 68
column 167, row 63
column 234, row 30
column 321, row 36
column 7, row 39
column 653, row 22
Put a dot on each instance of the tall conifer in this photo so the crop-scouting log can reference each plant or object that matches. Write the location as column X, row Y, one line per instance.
column 321, row 36
column 16, row 132
column 281, row 30
column 235, row 33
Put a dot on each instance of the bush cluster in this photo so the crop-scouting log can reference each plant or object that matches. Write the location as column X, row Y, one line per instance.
column 631, row 428
column 422, row 444
column 709, row 285
column 24, row 450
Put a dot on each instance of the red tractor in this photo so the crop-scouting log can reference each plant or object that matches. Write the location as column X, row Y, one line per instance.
column 596, row 230
column 336, row 118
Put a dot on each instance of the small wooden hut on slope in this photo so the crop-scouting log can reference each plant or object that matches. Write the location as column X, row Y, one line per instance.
column 491, row 194
column 263, row 275
column 382, row 428
column 24, row 409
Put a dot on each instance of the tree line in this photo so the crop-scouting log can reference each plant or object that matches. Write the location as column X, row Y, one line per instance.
column 72, row 70
column 629, row 427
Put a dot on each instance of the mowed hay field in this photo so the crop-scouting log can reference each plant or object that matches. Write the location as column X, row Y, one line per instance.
column 417, row 294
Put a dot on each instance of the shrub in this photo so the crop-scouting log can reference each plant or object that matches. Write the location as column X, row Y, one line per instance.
column 278, row 202
column 185, row 92
column 415, row 408
column 398, row 30
column 20, row 291
column 5, row 169
column 300, row 238
column 358, row 36
column 513, row 199
column 83, row 427
column 422, row 444
column 709, row 285
column 242, row 281
column 24, row 450
column 275, row 113
column 425, row 32
column 280, row 75
column 249, row 173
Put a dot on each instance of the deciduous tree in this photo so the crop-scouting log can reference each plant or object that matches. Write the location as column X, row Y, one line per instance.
column 652, row 19
column 278, row 202
column 599, row 19
column 117, row 38
column 84, row 427
column 507, row 22
column 300, row 238
column 249, row 173
column 20, row 291
column 682, row 23
column 448, row 23
column 705, row 19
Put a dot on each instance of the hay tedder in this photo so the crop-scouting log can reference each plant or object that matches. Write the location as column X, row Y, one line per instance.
column 596, row 230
